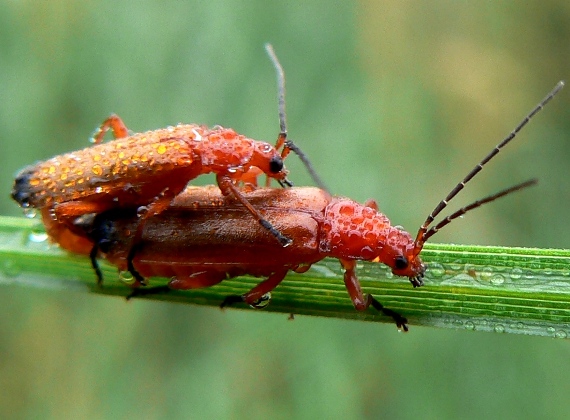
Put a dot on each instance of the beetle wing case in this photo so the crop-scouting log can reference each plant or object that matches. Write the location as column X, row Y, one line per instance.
column 203, row 230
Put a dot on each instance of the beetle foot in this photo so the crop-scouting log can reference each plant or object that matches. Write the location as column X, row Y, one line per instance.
column 149, row 291
column 231, row 299
column 398, row 319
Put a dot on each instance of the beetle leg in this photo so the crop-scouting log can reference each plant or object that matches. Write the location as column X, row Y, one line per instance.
column 93, row 257
column 302, row 268
column 139, row 279
column 249, row 179
column 226, row 186
column 138, row 292
column 193, row 281
column 399, row 319
column 159, row 204
column 116, row 124
column 255, row 295
column 362, row 302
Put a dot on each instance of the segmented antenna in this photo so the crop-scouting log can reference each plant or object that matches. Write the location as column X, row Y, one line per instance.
column 434, row 229
column 280, row 88
column 423, row 233
column 282, row 139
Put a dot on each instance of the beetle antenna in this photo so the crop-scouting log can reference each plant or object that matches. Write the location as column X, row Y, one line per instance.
column 282, row 140
column 434, row 229
column 421, row 236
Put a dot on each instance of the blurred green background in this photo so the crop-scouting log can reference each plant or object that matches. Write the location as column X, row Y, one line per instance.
column 391, row 100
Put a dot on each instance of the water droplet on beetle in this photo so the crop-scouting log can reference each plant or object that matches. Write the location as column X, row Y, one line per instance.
column 30, row 212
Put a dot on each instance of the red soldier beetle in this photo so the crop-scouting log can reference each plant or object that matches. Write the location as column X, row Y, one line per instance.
column 204, row 238
column 147, row 170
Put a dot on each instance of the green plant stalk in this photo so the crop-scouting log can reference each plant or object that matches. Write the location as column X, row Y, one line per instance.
column 506, row 290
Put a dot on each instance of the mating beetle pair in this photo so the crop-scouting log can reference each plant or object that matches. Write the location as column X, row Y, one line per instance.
column 126, row 199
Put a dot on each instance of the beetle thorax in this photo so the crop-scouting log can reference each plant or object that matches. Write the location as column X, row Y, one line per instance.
column 222, row 149
column 353, row 231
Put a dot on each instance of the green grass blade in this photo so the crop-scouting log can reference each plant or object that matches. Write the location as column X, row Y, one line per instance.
column 510, row 290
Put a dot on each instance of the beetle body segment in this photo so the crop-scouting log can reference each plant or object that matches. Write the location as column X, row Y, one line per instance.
column 146, row 169
column 353, row 231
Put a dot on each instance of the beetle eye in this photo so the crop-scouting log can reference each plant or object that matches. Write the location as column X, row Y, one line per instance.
column 401, row 262
column 276, row 164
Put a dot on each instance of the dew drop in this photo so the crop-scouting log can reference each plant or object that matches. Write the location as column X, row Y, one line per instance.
column 497, row 280
column 197, row 136
column 262, row 302
column 560, row 334
column 469, row 326
column 486, row 273
column 499, row 328
column 436, row 269
column 37, row 234
column 367, row 253
column 516, row 273
column 456, row 266
column 10, row 268
column 126, row 277
column 97, row 169
column 30, row 212
column 141, row 211
column 98, row 190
